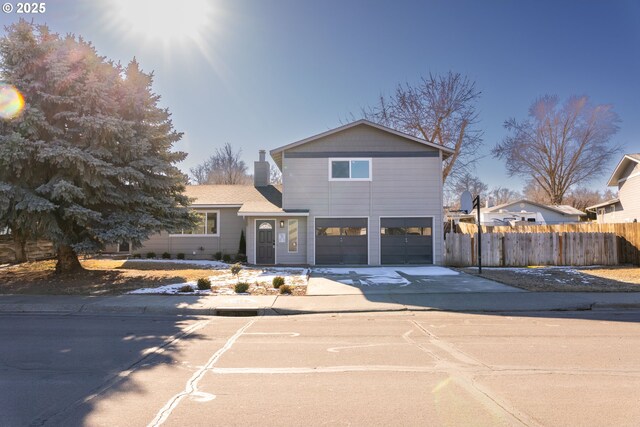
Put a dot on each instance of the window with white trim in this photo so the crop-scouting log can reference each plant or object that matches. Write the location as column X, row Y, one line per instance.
column 207, row 225
column 293, row 235
column 350, row 169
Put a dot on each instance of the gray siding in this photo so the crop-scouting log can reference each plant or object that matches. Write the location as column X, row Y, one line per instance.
column 612, row 214
column 282, row 249
column 228, row 241
column 406, row 186
column 361, row 137
column 629, row 195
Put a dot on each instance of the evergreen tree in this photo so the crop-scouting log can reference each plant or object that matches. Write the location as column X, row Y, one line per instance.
column 89, row 162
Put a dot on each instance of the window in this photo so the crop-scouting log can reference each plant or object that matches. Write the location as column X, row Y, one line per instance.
column 207, row 225
column 293, row 235
column 350, row 169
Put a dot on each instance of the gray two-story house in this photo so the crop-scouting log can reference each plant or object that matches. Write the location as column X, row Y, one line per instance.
column 360, row 194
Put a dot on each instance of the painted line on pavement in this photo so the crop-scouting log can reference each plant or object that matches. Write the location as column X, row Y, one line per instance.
column 191, row 387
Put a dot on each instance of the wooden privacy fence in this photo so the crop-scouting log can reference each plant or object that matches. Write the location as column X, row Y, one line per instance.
column 522, row 249
column 627, row 234
column 35, row 250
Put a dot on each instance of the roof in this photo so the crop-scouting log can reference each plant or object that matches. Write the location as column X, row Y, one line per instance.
column 561, row 209
column 233, row 195
column 250, row 199
column 622, row 166
column 276, row 153
column 600, row 205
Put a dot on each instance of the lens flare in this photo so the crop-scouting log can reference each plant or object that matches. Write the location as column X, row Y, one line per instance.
column 11, row 101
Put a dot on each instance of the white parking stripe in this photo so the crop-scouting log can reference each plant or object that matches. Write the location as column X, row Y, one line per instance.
column 191, row 387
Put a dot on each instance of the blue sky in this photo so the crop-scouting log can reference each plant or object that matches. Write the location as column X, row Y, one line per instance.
column 265, row 73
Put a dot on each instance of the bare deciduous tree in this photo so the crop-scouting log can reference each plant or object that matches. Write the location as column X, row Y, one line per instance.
column 500, row 195
column 440, row 109
column 582, row 197
column 560, row 145
column 465, row 182
column 223, row 167
column 275, row 176
column 533, row 191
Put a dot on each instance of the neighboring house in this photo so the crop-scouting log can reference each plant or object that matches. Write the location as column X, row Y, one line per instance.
column 525, row 211
column 358, row 194
column 626, row 207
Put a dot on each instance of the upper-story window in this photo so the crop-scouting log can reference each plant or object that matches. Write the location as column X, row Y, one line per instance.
column 350, row 169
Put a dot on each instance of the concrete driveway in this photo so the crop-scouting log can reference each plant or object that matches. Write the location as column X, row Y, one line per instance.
column 397, row 280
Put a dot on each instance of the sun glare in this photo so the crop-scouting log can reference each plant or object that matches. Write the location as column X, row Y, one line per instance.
column 11, row 101
column 163, row 21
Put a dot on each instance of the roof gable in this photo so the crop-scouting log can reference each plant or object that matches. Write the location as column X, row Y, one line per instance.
column 621, row 170
column 561, row 209
column 276, row 153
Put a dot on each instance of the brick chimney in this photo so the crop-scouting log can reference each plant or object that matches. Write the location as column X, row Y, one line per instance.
column 261, row 171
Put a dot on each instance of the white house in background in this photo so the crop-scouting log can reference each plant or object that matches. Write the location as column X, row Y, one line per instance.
column 625, row 208
column 524, row 211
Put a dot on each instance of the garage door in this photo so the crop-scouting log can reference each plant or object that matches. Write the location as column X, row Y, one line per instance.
column 406, row 240
column 341, row 241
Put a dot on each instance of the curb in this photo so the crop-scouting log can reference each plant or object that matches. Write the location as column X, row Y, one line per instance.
column 615, row 306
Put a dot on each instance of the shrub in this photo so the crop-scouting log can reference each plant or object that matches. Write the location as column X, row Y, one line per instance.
column 180, row 256
column 204, row 283
column 242, row 247
column 277, row 281
column 241, row 287
column 138, row 256
column 241, row 258
column 286, row 290
column 151, row 254
column 186, row 288
column 166, row 255
column 217, row 256
column 235, row 269
column 226, row 258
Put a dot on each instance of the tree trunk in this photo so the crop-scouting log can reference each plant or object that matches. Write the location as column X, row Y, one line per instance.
column 19, row 243
column 68, row 261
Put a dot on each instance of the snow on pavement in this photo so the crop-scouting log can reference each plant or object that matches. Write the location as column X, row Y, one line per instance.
column 383, row 275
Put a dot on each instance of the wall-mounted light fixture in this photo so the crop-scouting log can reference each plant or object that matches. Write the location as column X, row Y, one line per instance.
column 281, row 224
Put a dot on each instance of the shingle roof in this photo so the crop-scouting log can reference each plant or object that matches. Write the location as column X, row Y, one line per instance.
column 562, row 209
column 607, row 203
column 235, row 195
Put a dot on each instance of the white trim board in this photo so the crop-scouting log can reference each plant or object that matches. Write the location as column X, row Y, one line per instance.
column 273, row 214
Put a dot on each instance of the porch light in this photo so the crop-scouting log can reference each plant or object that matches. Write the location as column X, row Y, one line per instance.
column 281, row 224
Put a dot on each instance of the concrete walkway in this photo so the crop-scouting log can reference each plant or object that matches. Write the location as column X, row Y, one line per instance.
column 274, row 305
column 398, row 280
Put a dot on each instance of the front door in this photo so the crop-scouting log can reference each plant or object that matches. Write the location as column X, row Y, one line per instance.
column 265, row 242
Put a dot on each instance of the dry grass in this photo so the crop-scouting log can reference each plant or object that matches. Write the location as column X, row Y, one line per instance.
column 108, row 277
column 100, row 277
column 576, row 279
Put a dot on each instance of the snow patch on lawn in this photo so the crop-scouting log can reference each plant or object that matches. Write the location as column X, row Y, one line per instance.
column 206, row 263
column 226, row 281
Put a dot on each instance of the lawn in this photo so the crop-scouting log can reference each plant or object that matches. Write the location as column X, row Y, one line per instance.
column 565, row 279
column 115, row 277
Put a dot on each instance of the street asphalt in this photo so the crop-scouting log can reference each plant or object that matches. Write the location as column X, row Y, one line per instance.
column 409, row 368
